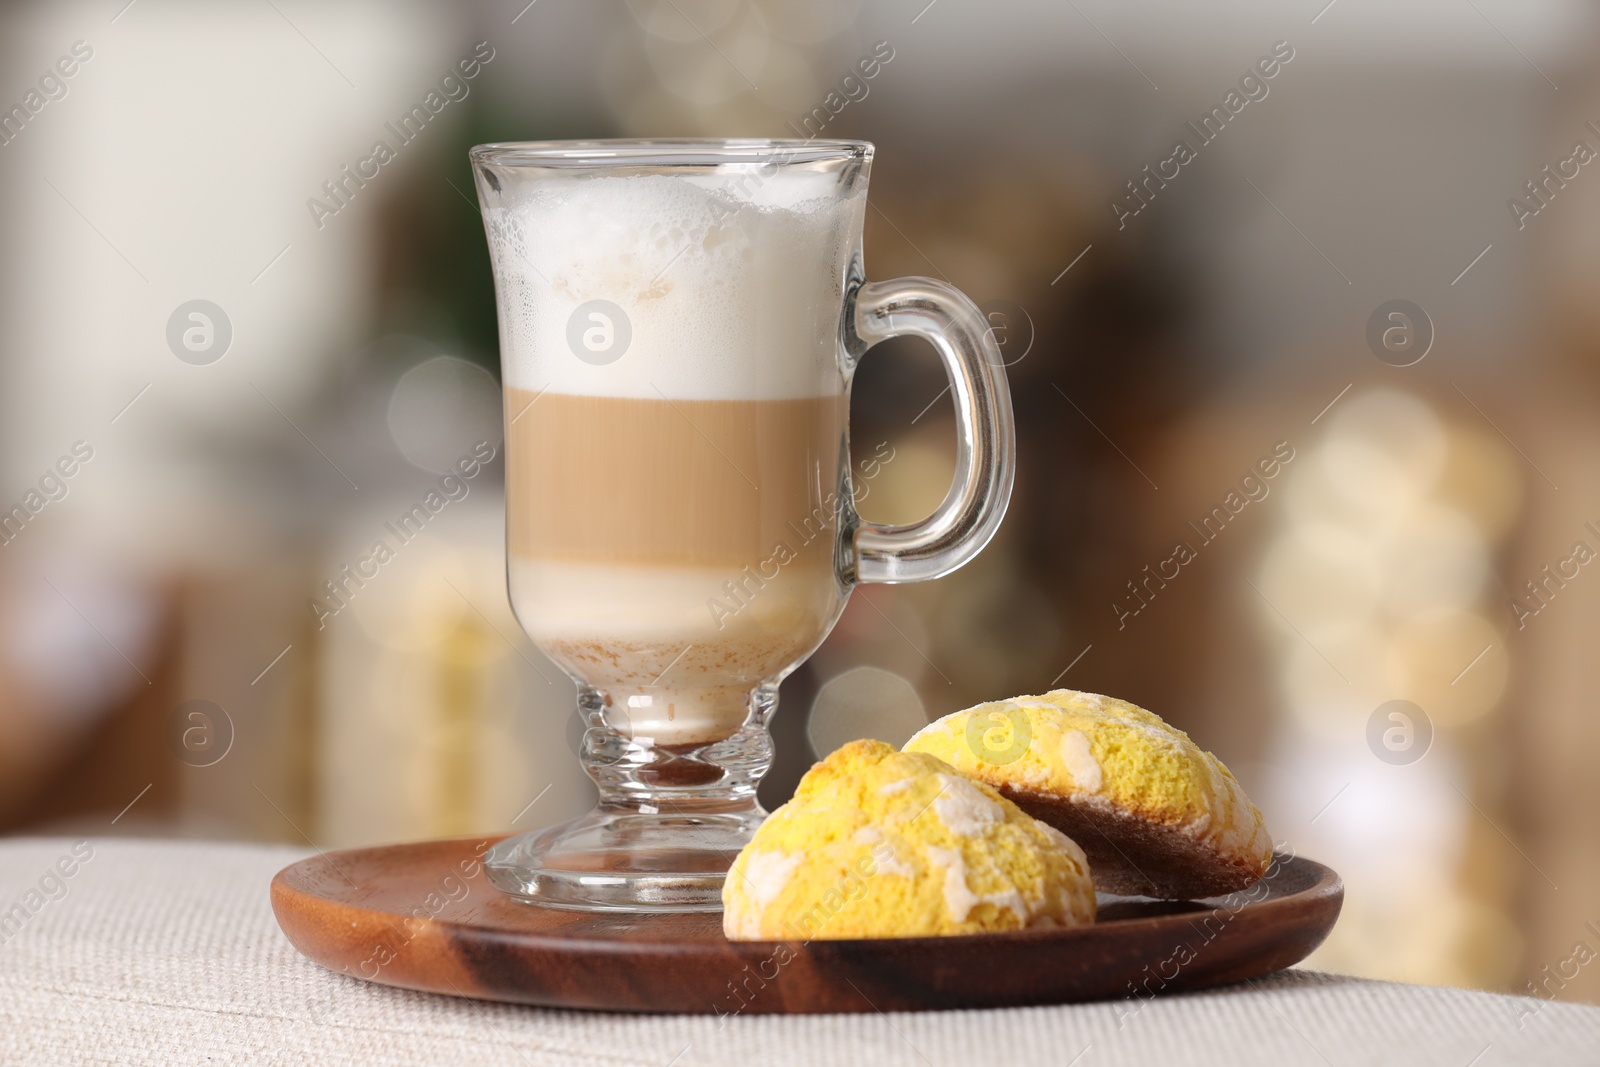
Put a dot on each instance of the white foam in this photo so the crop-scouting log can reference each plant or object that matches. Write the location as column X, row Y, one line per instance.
column 648, row 639
column 731, row 282
column 568, row 600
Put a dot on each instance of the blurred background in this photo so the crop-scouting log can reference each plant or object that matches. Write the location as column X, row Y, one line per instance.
column 1308, row 413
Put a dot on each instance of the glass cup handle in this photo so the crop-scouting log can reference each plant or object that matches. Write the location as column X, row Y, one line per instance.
column 985, row 435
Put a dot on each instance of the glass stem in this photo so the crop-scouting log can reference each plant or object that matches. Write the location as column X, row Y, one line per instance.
column 713, row 777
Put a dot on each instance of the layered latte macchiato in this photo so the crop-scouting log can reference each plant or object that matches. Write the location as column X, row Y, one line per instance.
column 679, row 321
column 676, row 430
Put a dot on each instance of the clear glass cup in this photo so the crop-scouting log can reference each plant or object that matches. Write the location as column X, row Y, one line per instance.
column 679, row 324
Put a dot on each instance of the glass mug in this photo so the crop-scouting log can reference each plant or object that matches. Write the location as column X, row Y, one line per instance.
column 679, row 324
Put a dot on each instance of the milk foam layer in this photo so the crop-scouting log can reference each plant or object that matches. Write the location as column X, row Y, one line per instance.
column 731, row 281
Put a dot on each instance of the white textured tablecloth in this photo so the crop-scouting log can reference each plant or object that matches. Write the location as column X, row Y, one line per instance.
column 161, row 952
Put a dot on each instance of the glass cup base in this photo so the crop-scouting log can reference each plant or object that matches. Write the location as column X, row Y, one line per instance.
column 670, row 821
column 625, row 861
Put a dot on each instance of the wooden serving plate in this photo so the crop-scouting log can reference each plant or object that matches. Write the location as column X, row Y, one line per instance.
column 424, row 916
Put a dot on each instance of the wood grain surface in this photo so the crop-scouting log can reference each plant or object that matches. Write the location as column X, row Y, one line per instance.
column 423, row 916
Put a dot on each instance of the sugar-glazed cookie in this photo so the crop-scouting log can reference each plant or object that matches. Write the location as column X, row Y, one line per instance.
column 1156, row 815
column 881, row 843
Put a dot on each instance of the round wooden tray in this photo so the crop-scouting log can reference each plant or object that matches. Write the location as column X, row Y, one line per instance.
column 423, row 916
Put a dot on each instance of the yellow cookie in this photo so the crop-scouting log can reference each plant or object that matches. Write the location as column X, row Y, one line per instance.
column 1155, row 814
column 880, row 843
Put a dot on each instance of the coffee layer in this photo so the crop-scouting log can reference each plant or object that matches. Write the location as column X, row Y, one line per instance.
column 680, row 482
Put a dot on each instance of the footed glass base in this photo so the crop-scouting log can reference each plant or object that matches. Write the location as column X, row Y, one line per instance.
column 625, row 861
column 670, row 821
